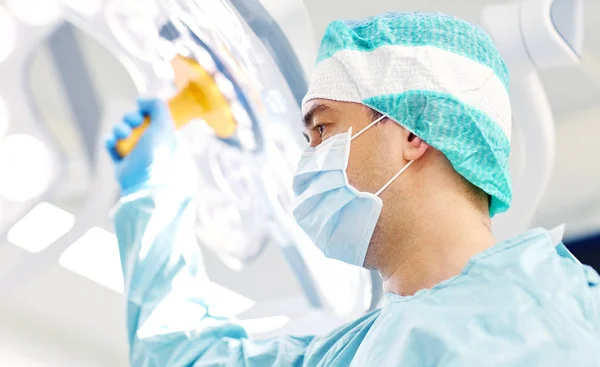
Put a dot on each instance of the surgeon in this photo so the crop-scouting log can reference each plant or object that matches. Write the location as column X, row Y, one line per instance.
column 409, row 122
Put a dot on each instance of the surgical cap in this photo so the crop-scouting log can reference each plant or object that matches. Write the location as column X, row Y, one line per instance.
column 439, row 77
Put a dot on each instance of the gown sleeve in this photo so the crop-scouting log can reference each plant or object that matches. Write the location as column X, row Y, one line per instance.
column 172, row 320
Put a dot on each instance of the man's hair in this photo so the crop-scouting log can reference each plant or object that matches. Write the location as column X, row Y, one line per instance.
column 375, row 114
column 477, row 195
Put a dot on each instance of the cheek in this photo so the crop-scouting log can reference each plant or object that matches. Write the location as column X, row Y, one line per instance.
column 373, row 162
column 337, row 128
column 364, row 166
column 356, row 170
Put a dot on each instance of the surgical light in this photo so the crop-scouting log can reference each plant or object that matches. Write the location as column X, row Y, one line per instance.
column 95, row 256
column 35, row 12
column 240, row 114
column 217, row 217
column 26, row 167
column 225, row 86
column 276, row 102
column 133, row 23
column 41, row 227
column 84, row 7
column 8, row 30
column 244, row 175
column 163, row 70
column 205, row 60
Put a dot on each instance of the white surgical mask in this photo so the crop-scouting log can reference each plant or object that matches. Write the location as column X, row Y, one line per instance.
column 338, row 218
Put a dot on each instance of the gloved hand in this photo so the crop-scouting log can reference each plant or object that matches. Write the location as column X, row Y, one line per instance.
column 150, row 163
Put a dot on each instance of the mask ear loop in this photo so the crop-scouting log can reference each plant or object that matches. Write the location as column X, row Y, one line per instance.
column 394, row 178
column 366, row 127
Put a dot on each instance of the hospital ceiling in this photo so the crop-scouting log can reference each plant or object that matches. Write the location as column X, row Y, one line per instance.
column 59, row 308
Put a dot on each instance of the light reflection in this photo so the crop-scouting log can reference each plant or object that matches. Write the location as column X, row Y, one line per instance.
column 264, row 324
column 8, row 40
column 84, row 7
column 4, row 116
column 41, row 227
column 26, row 166
column 95, row 256
column 35, row 12
column 134, row 24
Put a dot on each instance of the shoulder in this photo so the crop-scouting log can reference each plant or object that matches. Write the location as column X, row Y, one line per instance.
column 492, row 326
column 449, row 336
column 344, row 340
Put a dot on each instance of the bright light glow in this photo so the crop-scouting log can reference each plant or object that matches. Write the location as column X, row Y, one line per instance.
column 163, row 70
column 265, row 324
column 26, row 166
column 276, row 102
column 205, row 60
column 41, row 227
column 8, row 30
column 342, row 285
column 4, row 116
column 133, row 23
column 95, row 256
column 246, row 136
column 225, row 86
column 35, row 12
column 240, row 114
column 225, row 302
column 84, row 7
column 172, row 315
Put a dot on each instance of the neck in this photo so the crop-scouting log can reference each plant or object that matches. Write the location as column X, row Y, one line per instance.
column 436, row 244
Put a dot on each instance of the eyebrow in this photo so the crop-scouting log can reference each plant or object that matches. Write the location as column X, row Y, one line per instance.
column 316, row 109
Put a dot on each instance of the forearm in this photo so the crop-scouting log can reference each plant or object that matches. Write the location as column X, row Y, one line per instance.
column 165, row 283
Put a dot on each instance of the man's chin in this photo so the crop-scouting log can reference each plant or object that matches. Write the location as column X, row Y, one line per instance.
column 371, row 258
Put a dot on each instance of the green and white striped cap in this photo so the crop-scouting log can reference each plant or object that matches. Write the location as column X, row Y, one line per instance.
column 439, row 77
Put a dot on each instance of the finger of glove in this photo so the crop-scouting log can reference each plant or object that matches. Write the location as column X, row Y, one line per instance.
column 158, row 111
column 122, row 130
column 111, row 147
column 134, row 119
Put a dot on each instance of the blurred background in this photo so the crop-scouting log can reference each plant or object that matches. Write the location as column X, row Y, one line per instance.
column 71, row 68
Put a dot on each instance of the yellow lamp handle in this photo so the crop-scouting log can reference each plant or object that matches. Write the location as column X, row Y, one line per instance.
column 183, row 108
column 125, row 146
column 199, row 99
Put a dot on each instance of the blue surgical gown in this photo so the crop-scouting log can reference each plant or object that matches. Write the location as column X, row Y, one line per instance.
column 524, row 302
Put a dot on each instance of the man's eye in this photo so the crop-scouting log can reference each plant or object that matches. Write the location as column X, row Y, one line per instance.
column 320, row 129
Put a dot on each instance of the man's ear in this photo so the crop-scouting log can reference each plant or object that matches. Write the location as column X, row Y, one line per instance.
column 415, row 147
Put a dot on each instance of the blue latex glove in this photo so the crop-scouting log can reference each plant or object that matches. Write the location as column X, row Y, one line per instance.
column 150, row 162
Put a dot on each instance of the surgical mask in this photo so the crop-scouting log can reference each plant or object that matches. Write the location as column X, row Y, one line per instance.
column 337, row 217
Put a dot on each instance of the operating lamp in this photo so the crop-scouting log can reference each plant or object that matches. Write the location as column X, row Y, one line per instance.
column 233, row 74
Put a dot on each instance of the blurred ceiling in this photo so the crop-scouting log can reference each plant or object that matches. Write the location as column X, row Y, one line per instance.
column 62, row 319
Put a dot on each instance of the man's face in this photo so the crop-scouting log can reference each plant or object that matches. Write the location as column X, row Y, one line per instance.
column 375, row 156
